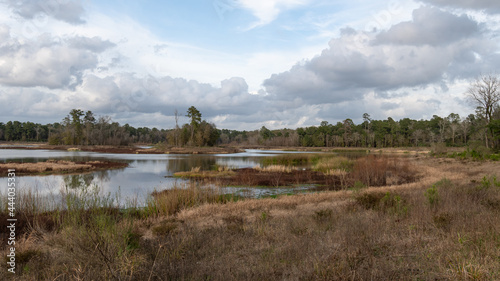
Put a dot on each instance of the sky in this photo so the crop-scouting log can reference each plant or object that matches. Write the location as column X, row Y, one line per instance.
column 243, row 64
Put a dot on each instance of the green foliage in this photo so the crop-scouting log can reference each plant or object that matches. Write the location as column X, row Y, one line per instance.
column 384, row 202
column 476, row 152
column 432, row 193
column 264, row 216
column 369, row 200
column 132, row 239
column 432, row 196
column 358, row 185
column 393, row 204
column 488, row 182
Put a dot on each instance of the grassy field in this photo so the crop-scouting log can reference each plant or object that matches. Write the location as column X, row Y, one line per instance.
column 444, row 225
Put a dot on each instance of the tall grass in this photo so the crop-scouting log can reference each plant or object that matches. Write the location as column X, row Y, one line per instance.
column 173, row 200
column 376, row 170
column 97, row 234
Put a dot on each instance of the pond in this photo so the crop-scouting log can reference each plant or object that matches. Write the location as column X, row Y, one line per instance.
column 145, row 172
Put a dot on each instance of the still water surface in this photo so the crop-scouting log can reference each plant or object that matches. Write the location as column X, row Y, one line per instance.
column 145, row 173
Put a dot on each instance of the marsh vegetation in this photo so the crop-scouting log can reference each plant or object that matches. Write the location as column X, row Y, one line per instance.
column 444, row 224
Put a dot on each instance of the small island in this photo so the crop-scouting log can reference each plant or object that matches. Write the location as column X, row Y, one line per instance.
column 51, row 167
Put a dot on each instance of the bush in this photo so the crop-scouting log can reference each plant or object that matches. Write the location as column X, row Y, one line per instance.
column 439, row 148
column 371, row 170
column 393, row 204
column 432, row 196
column 369, row 200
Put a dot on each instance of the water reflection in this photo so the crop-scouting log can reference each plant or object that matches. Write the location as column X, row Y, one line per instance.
column 174, row 165
column 145, row 173
column 78, row 181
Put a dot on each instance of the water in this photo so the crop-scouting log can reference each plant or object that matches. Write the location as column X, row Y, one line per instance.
column 145, row 172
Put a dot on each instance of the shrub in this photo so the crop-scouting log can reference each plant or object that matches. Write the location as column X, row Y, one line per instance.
column 323, row 215
column 432, row 196
column 439, row 148
column 393, row 204
column 371, row 170
column 369, row 200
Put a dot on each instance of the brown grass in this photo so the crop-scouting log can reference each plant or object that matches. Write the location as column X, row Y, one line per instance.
column 377, row 233
column 58, row 167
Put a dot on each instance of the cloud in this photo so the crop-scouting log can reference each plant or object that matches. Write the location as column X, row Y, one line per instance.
column 94, row 44
column 47, row 61
column 125, row 92
column 70, row 11
column 430, row 26
column 357, row 62
column 488, row 6
column 268, row 10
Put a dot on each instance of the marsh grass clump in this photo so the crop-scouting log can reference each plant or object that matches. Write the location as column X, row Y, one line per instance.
column 292, row 159
column 171, row 201
column 197, row 173
column 275, row 169
column 375, row 170
column 325, row 164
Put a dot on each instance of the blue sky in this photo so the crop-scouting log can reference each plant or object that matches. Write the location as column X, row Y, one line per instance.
column 245, row 64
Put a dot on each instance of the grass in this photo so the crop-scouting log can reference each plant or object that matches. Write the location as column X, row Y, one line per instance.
column 196, row 172
column 389, row 232
column 58, row 167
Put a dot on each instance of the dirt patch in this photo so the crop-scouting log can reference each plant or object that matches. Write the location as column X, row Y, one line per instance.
column 58, row 167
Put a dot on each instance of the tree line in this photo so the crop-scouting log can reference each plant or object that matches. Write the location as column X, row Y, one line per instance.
column 451, row 130
column 83, row 128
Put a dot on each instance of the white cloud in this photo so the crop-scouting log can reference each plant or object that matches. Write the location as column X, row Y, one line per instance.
column 404, row 56
column 268, row 10
column 70, row 11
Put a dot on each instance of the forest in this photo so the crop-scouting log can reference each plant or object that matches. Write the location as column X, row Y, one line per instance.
column 84, row 128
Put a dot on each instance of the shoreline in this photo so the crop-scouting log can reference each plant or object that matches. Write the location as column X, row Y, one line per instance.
column 122, row 149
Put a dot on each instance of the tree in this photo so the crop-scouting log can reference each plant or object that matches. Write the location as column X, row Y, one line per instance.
column 195, row 117
column 484, row 94
column 88, row 121
column 177, row 129
column 454, row 121
column 366, row 122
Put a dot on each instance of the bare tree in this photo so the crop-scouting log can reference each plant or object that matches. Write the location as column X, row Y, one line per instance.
column 484, row 93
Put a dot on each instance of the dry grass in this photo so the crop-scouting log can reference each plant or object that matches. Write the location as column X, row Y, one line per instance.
column 396, row 232
column 326, row 164
column 49, row 166
column 58, row 167
column 196, row 172
column 171, row 201
column 275, row 169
